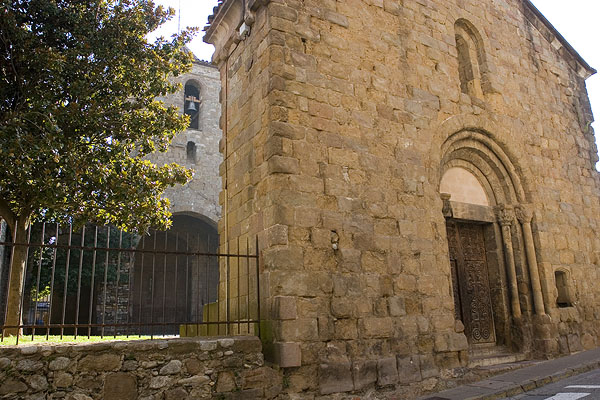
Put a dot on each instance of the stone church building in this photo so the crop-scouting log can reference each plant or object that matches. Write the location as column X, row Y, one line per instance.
column 421, row 177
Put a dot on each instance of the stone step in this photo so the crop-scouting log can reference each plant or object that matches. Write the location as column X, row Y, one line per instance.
column 497, row 357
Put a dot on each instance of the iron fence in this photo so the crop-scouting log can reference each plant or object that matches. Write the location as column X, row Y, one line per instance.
column 100, row 281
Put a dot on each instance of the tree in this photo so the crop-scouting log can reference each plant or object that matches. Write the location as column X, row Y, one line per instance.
column 78, row 114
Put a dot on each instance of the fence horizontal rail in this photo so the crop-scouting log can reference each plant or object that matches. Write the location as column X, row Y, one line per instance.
column 104, row 282
column 180, row 253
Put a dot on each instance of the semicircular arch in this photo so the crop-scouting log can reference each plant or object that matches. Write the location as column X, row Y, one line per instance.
column 478, row 153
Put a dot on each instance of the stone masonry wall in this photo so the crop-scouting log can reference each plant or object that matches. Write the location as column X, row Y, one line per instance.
column 339, row 118
column 201, row 195
column 175, row 369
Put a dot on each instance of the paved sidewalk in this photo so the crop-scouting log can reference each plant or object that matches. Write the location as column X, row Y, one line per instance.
column 523, row 380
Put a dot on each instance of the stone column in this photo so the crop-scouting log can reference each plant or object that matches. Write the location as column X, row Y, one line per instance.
column 506, row 217
column 525, row 215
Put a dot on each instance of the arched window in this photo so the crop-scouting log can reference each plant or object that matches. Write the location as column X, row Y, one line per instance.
column 472, row 64
column 191, row 104
column 191, row 152
column 564, row 298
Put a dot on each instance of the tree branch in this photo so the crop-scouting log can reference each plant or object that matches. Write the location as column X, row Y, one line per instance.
column 8, row 215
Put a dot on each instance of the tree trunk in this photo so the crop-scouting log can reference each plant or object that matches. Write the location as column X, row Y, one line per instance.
column 15, row 286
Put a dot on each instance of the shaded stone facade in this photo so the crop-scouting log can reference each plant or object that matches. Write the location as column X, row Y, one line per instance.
column 340, row 120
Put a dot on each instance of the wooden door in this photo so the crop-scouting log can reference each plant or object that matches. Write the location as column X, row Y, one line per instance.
column 470, row 282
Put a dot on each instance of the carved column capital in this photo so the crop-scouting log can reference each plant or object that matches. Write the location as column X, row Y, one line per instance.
column 447, row 210
column 524, row 213
column 505, row 214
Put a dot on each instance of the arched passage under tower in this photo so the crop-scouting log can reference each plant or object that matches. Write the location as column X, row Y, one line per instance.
column 175, row 275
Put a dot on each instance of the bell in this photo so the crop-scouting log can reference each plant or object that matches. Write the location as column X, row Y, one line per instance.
column 191, row 107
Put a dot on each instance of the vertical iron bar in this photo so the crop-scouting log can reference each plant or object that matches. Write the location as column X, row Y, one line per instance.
column 164, row 293
column 105, row 281
column 198, row 273
column 228, row 289
column 93, row 282
column 187, row 280
column 257, row 286
column 37, row 286
column 248, row 282
column 52, row 283
column 141, row 287
column 12, row 255
column 238, row 286
column 218, row 257
column 177, row 319
column 207, row 286
column 129, row 288
column 22, row 305
column 116, row 318
column 81, row 254
column 152, row 288
column 64, row 307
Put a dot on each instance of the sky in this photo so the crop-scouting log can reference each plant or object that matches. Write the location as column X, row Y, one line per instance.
column 576, row 20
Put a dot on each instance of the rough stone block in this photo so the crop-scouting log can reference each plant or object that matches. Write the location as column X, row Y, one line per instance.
column 285, row 308
column 377, row 327
column 287, row 355
column 387, row 371
column 305, row 329
column 428, row 367
column 409, row 369
column 225, row 382
column 364, row 373
column 120, row 386
column 104, row 362
column 335, row 378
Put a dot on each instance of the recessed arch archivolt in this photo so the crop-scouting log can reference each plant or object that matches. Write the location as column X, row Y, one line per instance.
column 476, row 139
column 485, row 154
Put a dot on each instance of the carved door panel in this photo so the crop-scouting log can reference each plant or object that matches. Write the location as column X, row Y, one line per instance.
column 472, row 299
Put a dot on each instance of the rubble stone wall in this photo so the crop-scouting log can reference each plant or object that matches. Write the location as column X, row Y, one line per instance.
column 174, row 369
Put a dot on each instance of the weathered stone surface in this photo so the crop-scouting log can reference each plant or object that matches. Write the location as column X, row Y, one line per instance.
column 364, row 373
column 62, row 380
column 287, row 355
column 335, row 378
column 285, row 308
column 176, row 394
column 171, row 368
column 196, row 380
column 29, row 365
column 4, row 362
column 409, row 369
column 38, row 382
column 225, row 382
column 12, row 386
column 158, row 382
column 387, row 371
column 120, row 386
column 59, row 363
column 78, row 396
column 104, row 362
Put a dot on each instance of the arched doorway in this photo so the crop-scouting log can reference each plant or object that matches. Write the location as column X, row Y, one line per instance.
column 490, row 244
column 175, row 276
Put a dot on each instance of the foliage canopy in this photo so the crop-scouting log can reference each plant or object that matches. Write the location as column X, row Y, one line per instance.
column 79, row 111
